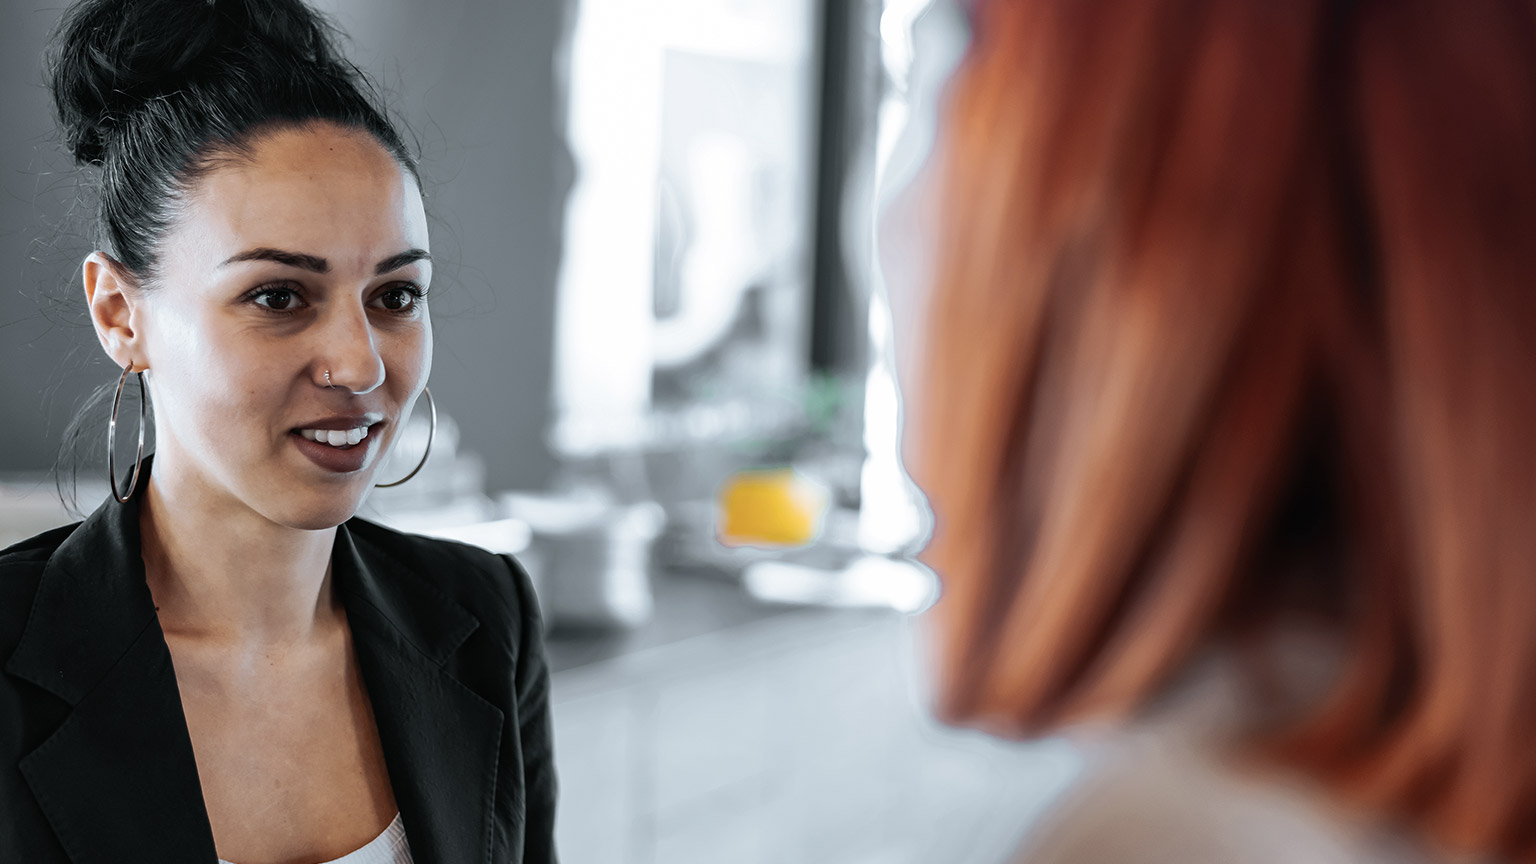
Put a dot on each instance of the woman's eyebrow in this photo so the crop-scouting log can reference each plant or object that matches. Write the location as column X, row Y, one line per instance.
column 292, row 259
column 395, row 262
column 317, row 264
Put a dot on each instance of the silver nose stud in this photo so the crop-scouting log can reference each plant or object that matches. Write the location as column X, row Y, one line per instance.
column 328, row 379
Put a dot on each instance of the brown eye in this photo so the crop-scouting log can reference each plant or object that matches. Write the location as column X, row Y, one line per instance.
column 400, row 299
column 277, row 299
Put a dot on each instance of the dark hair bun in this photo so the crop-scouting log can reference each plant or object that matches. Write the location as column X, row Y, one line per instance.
column 111, row 57
column 154, row 91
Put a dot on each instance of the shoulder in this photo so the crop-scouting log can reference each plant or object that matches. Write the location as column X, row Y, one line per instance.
column 419, row 549
column 35, row 551
column 1151, row 801
column 21, row 568
column 476, row 578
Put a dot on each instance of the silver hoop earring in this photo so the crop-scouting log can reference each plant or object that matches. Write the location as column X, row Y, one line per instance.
column 431, row 433
column 133, row 483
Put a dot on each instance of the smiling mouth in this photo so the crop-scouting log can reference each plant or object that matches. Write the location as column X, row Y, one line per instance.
column 342, row 459
column 341, row 439
column 334, row 437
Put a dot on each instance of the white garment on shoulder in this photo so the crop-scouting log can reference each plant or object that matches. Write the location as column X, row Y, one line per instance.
column 387, row 848
column 1157, row 791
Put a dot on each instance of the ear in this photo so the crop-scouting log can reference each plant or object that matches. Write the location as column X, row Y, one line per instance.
column 109, row 294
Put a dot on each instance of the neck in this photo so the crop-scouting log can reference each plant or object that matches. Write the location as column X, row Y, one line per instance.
column 222, row 573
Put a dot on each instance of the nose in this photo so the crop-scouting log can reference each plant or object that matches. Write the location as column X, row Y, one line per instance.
column 347, row 350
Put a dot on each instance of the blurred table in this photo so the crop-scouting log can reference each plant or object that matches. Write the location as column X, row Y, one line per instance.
column 688, row 605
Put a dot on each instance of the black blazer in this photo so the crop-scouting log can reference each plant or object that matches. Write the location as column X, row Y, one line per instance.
column 96, row 763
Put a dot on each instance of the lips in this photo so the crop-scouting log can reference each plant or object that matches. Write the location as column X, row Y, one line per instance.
column 342, row 422
column 337, row 460
column 336, row 437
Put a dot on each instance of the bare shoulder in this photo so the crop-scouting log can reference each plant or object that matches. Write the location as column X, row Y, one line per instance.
column 1150, row 804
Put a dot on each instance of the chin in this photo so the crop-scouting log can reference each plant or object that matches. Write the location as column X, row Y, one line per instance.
column 320, row 512
column 319, row 524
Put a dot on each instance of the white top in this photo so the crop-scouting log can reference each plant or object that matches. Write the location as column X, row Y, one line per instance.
column 387, row 848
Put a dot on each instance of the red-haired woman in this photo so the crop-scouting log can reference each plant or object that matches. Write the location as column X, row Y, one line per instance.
column 1225, row 403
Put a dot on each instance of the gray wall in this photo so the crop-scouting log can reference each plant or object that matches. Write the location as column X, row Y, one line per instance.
column 475, row 80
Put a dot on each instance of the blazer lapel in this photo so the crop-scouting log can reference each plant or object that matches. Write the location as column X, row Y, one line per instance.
column 118, row 779
column 440, row 739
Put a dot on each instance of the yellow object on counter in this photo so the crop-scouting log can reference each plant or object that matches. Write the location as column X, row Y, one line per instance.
column 771, row 507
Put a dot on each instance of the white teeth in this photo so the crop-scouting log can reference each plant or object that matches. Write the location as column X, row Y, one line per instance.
column 336, row 437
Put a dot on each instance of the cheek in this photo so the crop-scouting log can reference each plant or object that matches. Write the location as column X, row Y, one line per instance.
column 426, row 348
column 407, row 356
column 215, row 382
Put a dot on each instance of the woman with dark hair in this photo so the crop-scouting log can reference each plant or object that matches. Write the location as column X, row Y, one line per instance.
column 1224, row 409
column 222, row 662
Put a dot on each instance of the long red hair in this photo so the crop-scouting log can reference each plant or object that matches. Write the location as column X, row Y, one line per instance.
column 1223, row 287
